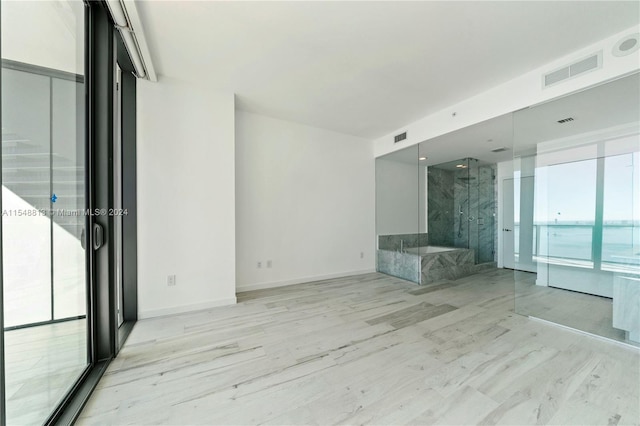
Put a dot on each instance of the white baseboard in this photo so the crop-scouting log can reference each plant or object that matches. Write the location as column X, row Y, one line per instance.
column 542, row 282
column 273, row 284
column 186, row 308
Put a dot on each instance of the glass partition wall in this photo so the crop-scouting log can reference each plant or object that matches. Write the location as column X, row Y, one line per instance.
column 570, row 212
column 398, row 213
column 577, row 216
column 398, row 184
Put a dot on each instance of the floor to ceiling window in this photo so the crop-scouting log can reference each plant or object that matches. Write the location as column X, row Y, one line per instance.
column 67, row 299
column 43, row 221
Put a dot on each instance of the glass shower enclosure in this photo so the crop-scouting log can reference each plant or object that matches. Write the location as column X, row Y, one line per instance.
column 461, row 206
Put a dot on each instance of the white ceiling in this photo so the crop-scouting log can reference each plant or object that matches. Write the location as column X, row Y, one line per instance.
column 611, row 106
column 367, row 68
column 599, row 113
column 475, row 141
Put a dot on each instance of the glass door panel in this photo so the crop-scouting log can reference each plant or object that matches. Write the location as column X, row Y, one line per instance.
column 26, row 236
column 67, row 160
column 43, row 185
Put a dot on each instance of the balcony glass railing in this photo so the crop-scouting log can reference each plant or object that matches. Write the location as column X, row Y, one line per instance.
column 573, row 244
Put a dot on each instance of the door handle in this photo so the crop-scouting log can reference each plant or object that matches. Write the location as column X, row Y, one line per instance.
column 98, row 236
column 507, row 230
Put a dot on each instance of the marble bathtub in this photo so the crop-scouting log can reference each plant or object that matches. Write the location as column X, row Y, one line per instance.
column 428, row 264
column 402, row 265
column 429, row 250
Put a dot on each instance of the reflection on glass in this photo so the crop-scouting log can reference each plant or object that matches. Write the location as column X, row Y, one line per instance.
column 44, row 282
column 26, row 238
column 565, row 211
column 584, row 202
column 621, row 231
column 67, row 161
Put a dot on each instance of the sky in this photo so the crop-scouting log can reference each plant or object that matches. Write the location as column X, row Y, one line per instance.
column 567, row 191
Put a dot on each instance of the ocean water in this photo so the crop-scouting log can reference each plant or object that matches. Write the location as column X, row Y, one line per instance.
column 620, row 244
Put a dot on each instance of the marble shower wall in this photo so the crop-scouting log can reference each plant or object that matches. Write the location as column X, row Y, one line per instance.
column 440, row 203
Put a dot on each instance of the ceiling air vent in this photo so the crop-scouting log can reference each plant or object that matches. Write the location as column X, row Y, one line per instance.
column 400, row 137
column 565, row 120
column 590, row 63
column 501, row 149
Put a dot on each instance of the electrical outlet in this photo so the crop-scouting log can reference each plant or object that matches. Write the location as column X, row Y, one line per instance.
column 269, row 264
column 171, row 280
column 259, row 264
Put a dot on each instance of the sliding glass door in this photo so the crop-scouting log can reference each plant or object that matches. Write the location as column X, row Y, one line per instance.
column 44, row 262
column 68, row 297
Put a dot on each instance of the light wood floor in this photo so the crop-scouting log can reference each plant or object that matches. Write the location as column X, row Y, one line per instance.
column 585, row 312
column 41, row 365
column 369, row 349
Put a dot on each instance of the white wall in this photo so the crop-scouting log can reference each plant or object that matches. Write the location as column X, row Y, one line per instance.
column 304, row 200
column 186, row 198
column 515, row 94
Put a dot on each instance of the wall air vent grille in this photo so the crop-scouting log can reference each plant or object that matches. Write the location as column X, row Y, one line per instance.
column 400, row 137
column 590, row 63
column 565, row 120
column 556, row 76
column 501, row 149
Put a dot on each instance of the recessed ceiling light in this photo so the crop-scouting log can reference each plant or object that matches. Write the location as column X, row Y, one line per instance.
column 422, row 158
